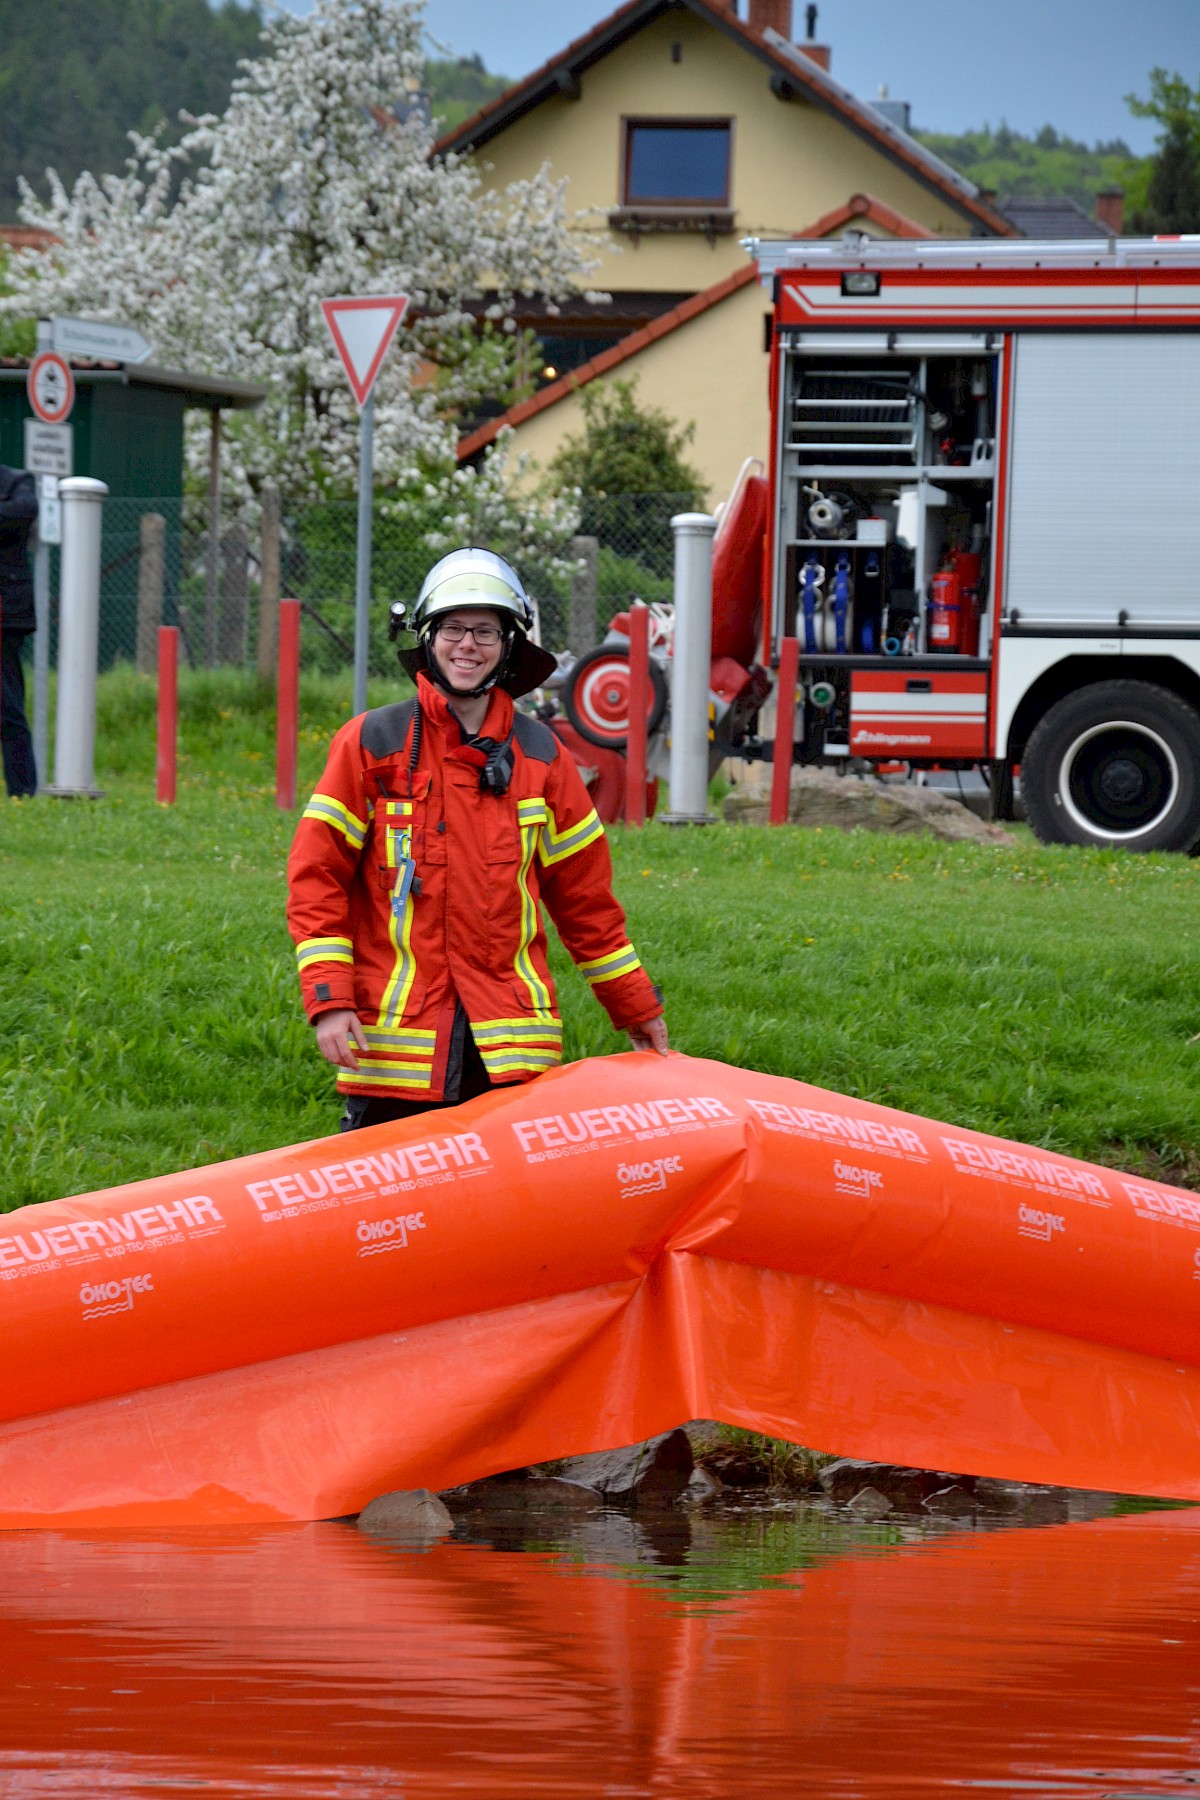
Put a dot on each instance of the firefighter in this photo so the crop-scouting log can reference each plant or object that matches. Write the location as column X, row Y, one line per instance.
column 441, row 827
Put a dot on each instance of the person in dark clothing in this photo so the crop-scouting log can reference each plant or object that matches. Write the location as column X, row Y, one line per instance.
column 18, row 511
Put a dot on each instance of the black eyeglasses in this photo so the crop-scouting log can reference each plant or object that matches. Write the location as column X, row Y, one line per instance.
column 486, row 636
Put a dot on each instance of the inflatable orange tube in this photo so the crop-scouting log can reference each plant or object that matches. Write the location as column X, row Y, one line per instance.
column 574, row 1264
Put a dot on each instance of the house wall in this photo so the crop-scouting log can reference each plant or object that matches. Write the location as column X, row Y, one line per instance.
column 791, row 161
column 711, row 371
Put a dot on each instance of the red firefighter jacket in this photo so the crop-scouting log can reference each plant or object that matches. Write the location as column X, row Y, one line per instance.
column 467, row 928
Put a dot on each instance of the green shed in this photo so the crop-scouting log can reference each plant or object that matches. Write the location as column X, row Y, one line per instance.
column 128, row 421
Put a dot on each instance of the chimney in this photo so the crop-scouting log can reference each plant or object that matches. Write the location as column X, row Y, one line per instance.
column 771, row 15
column 1110, row 210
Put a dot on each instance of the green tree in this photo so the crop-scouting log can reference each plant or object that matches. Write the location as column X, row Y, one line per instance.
column 626, row 448
column 1173, row 195
column 629, row 466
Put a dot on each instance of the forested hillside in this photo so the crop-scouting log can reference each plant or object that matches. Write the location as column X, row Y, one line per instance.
column 1044, row 166
column 77, row 75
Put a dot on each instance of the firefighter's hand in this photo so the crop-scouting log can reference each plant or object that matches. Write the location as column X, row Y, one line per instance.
column 339, row 1034
column 651, row 1034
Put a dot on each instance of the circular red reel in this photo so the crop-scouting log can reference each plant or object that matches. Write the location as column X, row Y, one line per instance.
column 597, row 697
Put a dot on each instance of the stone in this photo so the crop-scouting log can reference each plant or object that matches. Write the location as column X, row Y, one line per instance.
column 950, row 1502
column 821, row 797
column 535, row 1493
column 905, row 1488
column 736, row 1467
column 869, row 1503
column 842, row 1479
column 998, row 1496
column 702, row 1485
column 651, row 1473
column 413, row 1513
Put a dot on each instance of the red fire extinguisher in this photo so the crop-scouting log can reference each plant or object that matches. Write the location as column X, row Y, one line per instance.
column 945, row 611
column 954, row 605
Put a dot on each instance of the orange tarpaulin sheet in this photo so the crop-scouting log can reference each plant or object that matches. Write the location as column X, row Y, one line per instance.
column 578, row 1263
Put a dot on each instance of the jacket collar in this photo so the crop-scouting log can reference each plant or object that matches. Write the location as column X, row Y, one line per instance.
column 497, row 722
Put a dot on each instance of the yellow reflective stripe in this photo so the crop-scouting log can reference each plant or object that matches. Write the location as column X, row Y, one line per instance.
column 395, row 994
column 496, row 1061
column 511, row 1031
column 397, row 809
column 607, row 968
column 417, row 1081
column 539, row 993
column 386, row 1065
column 556, row 846
column 532, row 812
column 324, row 950
column 331, row 812
column 402, row 1037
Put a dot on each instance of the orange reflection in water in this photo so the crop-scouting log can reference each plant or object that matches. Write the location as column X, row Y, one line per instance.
column 308, row 1661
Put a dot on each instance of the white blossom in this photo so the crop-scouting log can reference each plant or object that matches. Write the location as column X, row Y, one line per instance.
column 220, row 250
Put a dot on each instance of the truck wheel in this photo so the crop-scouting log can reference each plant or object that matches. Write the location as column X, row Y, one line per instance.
column 597, row 697
column 1118, row 765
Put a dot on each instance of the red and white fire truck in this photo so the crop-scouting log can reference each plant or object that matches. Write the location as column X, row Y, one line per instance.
column 983, row 519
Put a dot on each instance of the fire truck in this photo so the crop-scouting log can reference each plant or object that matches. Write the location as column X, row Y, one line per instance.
column 983, row 520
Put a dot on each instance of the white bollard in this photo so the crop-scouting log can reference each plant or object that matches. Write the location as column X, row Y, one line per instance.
column 691, row 662
column 78, row 638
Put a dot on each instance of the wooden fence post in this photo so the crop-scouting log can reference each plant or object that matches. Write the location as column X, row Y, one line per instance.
column 152, row 533
column 269, row 583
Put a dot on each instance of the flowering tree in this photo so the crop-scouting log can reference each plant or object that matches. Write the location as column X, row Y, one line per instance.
column 318, row 180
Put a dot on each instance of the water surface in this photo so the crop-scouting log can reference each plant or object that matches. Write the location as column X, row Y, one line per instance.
column 768, row 1652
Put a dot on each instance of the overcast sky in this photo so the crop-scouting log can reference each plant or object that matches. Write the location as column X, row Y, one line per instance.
column 960, row 62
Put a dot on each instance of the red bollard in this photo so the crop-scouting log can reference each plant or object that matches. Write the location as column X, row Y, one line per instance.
column 168, row 715
column 287, row 715
column 785, row 714
column 639, row 708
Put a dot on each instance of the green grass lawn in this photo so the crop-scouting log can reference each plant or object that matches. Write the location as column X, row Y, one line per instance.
column 149, row 1017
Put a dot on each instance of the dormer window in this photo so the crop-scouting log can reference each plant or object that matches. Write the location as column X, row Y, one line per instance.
column 677, row 162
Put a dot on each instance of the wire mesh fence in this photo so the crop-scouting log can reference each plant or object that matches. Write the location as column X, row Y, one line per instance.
column 167, row 561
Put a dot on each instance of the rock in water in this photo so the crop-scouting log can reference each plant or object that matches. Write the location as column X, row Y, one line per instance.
column 869, row 1503
column 821, row 797
column 521, row 1493
column 905, row 1488
column 413, row 1513
column 639, row 1475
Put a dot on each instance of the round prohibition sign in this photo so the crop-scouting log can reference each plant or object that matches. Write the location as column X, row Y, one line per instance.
column 51, row 387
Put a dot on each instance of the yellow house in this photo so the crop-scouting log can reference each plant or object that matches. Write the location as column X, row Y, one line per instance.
column 681, row 128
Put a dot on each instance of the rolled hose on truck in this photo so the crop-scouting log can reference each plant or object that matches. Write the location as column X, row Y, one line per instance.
column 578, row 1263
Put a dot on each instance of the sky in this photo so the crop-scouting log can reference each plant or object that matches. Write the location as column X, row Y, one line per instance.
column 961, row 63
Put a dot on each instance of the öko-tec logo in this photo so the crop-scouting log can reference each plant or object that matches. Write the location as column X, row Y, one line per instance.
column 647, row 1177
column 859, row 1183
column 376, row 1235
column 99, row 1298
column 1034, row 1223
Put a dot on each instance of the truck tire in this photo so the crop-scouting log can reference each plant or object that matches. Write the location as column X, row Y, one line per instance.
column 1116, row 765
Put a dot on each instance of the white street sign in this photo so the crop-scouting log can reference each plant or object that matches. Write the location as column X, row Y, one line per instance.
column 49, row 449
column 362, row 329
column 92, row 337
column 49, row 523
column 50, row 386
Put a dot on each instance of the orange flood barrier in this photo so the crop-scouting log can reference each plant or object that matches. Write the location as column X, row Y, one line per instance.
column 620, row 1246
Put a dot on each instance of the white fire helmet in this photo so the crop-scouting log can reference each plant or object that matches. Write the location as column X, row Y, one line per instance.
column 475, row 577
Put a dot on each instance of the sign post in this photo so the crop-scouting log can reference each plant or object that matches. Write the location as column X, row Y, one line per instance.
column 49, row 454
column 362, row 329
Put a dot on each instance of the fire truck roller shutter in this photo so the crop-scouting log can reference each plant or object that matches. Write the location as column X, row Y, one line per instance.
column 1102, row 514
column 1116, row 764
